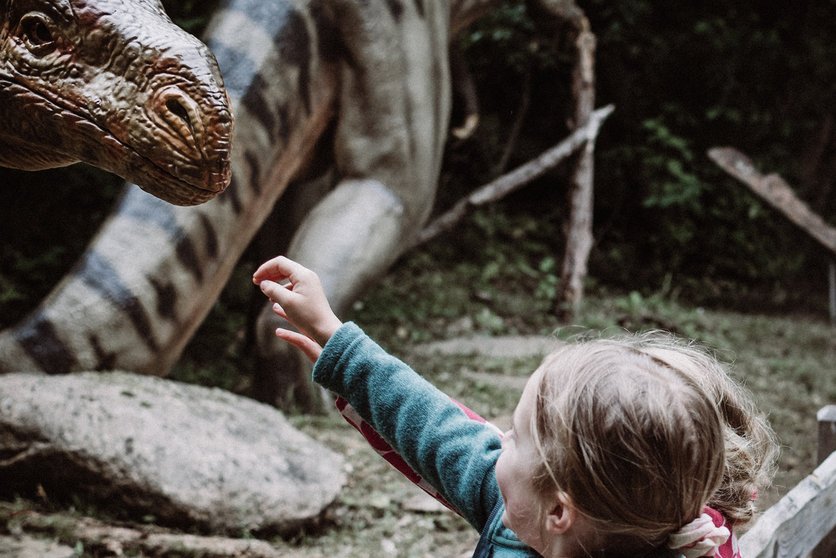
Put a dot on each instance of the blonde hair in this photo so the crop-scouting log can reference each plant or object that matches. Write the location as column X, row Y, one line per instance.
column 642, row 432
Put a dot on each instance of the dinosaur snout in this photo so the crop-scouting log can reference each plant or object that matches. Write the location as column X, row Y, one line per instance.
column 197, row 136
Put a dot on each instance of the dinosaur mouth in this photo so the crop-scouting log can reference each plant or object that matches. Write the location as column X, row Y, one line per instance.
column 198, row 180
column 177, row 189
column 184, row 194
column 180, row 180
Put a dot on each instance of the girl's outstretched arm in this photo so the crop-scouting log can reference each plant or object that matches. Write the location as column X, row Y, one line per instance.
column 432, row 436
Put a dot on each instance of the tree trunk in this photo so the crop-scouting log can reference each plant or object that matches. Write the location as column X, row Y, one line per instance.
column 579, row 228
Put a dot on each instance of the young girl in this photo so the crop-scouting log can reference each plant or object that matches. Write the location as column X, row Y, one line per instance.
column 634, row 447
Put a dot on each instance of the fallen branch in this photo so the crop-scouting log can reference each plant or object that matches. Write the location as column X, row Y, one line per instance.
column 775, row 191
column 507, row 183
column 113, row 540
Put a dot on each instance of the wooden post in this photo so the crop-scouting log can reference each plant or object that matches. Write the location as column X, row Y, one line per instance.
column 826, row 446
column 799, row 521
column 827, row 432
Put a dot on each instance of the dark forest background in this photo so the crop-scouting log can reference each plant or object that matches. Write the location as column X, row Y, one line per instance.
column 683, row 76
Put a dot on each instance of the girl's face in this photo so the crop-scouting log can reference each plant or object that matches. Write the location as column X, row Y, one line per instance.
column 515, row 470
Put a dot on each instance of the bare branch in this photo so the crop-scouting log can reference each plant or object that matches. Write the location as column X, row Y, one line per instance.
column 507, row 183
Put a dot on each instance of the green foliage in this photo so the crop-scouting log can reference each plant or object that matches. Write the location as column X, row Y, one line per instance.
column 683, row 78
column 668, row 162
column 510, row 36
column 548, row 280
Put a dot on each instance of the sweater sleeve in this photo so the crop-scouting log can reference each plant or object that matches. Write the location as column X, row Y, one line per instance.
column 432, row 434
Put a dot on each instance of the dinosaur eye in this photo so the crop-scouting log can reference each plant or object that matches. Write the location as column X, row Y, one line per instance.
column 37, row 33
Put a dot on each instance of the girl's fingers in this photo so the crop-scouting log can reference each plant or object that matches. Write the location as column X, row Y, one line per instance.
column 309, row 347
column 283, row 298
column 271, row 269
column 277, row 269
column 279, row 311
column 275, row 292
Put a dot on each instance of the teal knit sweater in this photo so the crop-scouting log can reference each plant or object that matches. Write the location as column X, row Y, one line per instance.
column 454, row 453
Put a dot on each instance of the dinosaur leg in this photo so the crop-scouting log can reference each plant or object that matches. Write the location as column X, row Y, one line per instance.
column 388, row 143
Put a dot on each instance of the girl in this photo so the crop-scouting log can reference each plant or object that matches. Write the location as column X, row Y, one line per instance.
column 636, row 447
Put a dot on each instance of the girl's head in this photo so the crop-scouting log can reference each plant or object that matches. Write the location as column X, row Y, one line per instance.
column 623, row 442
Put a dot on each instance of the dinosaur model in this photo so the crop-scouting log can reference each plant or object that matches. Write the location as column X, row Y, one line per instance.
column 346, row 101
column 115, row 84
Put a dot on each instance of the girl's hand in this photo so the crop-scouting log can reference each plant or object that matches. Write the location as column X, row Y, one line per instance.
column 298, row 297
column 308, row 346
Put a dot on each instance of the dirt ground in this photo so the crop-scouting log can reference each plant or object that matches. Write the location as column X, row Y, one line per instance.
column 380, row 514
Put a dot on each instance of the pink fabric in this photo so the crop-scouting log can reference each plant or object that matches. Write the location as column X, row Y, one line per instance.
column 386, row 451
column 729, row 549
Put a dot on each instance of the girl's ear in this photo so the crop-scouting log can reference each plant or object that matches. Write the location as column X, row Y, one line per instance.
column 562, row 516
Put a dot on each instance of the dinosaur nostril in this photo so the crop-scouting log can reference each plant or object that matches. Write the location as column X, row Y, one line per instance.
column 176, row 107
column 182, row 115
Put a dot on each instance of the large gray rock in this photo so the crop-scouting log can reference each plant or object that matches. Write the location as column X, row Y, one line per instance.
column 184, row 454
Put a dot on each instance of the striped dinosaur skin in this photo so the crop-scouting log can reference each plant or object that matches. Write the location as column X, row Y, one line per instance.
column 153, row 270
column 115, row 84
column 362, row 85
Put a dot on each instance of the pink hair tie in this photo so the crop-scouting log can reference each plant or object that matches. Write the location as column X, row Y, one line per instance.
column 698, row 538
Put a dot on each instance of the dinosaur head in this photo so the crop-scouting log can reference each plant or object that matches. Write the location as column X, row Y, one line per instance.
column 113, row 83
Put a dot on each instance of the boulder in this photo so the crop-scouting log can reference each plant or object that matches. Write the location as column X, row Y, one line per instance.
column 184, row 454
